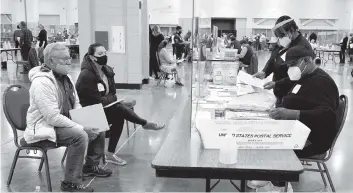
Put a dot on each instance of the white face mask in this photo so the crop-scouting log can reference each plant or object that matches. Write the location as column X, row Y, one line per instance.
column 285, row 41
column 62, row 67
column 295, row 73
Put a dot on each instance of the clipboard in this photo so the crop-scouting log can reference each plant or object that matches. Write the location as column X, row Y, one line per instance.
column 91, row 116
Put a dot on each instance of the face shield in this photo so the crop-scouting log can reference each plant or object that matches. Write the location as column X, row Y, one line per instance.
column 279, row 29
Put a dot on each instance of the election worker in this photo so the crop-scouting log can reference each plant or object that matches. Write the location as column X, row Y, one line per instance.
column 313, row 100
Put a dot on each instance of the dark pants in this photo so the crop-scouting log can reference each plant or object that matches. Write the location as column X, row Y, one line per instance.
column 24, row 51
column 17, row 44
column 179, row 52
column 78, row 142
column 116, row 116
column 342, row 55
column 43, row 42
column 154, row 68
column 173, row 49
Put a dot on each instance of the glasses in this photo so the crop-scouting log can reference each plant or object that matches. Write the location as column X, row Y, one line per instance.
column 64, row 61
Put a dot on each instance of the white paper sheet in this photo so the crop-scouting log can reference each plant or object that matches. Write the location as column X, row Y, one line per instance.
column 249, row 80
column 91, row 116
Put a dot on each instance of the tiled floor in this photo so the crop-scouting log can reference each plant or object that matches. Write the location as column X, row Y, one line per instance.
column 173, row 107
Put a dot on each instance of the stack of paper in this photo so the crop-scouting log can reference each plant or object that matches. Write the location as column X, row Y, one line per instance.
column 249, row 80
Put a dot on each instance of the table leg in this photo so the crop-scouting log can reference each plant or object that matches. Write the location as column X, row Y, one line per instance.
column 286, row 187
column 208, row 185
column 242, row 185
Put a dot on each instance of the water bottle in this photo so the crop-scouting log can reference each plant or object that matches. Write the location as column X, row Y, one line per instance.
column 37, row 189
column 220, row 111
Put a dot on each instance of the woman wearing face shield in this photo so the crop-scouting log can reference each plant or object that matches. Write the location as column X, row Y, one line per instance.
column 287, row 32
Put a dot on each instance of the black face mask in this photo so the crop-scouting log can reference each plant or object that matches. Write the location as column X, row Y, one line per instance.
column 102, row 60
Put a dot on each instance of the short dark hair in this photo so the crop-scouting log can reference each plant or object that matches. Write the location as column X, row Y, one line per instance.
column 18, row 27
column 23, row 24
column 92, row 48
column 290, row 26
column 178, row 27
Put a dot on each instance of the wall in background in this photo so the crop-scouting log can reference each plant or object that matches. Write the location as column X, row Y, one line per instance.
column 67, row 9
column 163, row 11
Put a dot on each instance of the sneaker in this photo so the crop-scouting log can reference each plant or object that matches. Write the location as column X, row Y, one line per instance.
column 71, row 187
column 153, row 126
column 151, row 78
column 98, row 171
column 112, row 158
column 275, row 189
column 254, row 184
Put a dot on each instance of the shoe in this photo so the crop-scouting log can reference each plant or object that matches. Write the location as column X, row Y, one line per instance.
column 96, row 171
column 275, row 189
column 112, row 158
column 153, row 126
column 71, row 187
column 254, row 184
column 179, row 83
column 151, row 78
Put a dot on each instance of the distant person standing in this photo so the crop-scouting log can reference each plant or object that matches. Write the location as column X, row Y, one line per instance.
column 156, row 37
column 25, row 40
column 263, row 41
column 343, row 44
column 17, row 37
column 42, row 37
column 179, row 42
column 350, row 47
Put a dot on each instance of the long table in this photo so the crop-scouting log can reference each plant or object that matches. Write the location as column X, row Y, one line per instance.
column 9, row 52
column 177, row 159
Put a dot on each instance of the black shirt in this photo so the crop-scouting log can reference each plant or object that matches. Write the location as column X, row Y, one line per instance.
column 318, row 100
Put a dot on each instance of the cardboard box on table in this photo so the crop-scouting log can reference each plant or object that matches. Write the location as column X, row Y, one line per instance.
column 253, row 134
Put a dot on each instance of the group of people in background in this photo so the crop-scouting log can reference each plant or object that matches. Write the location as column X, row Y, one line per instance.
column 161, row 59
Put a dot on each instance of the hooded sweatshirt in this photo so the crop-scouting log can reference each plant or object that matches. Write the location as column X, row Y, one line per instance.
column 46, row 103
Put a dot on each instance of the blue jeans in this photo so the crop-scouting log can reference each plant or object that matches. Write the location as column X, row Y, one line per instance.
column 77, row 142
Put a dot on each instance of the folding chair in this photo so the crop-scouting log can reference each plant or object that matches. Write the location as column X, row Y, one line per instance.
column 323, row 158
column 15, row 106
column 164, row 75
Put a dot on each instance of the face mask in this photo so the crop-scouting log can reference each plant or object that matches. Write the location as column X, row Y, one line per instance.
column 62, row 66
column 102, row 60
column 295, row 73
column 285, row 41
column 62, row 69
column 229, row 41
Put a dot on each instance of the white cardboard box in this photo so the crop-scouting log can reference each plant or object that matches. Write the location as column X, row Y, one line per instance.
column 253, row 134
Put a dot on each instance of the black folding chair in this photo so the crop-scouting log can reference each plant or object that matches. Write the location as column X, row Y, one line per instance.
column 322, row 159
column 15, row 105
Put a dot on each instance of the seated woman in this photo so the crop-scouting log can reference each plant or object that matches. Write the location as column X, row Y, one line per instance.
column 168, row 64
column 96, row 85
column 245, row 54
column 35, row 56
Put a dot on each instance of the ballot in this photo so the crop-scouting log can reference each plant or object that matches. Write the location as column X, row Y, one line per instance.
column 250, row 80
column 91, row 116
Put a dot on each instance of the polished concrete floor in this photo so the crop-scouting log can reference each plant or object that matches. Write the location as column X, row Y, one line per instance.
column 173, row 107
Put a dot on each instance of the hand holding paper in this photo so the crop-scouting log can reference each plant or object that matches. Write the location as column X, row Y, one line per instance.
column 250, row 80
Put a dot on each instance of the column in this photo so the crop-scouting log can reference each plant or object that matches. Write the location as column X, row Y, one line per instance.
column 145, row 42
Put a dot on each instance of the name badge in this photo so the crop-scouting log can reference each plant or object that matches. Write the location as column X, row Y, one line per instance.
column 284, row 56
column 100, row 87
column 296, row 88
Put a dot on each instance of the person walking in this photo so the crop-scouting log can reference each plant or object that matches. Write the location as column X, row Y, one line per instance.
column 25, row 40
column 42, row 37
column 17, row 37
column 156, row 38
column 343, row 44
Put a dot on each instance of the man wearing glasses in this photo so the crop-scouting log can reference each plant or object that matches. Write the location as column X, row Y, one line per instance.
column 52, row 96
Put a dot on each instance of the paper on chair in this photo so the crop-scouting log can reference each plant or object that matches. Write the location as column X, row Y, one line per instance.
column 91, row 116
column 249, row 80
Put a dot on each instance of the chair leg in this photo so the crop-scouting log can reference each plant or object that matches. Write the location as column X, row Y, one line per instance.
column 135, row 126
column 47, row 171
column 127, row 128
column 64, row 156
column 322, row 174
column 13, row 167
column 329, row 178
column 41, row 165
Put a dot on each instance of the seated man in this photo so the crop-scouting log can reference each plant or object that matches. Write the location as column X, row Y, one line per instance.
column 245, row 54
column 313, row 100
column 35, row 56
column 52, row 96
